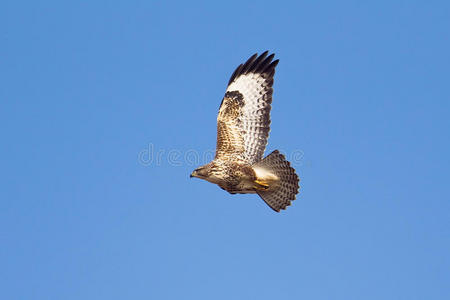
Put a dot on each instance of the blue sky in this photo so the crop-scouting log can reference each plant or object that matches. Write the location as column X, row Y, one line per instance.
column 92, row 91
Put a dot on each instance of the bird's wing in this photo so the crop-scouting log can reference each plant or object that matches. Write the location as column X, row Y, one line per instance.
column 243, row 123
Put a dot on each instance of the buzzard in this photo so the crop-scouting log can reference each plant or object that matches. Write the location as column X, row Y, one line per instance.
column 243, row 126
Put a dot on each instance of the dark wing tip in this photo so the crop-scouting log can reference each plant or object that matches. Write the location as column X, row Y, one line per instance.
column 262, row 64
column 236, row 73
column 249, row 63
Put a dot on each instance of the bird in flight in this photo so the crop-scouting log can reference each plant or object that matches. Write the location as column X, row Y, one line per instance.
column 243, row 126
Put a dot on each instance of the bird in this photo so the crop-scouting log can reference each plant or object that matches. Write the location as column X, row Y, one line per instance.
column 243, row 125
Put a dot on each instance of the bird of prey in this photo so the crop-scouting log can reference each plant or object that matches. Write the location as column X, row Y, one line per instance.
column 243, row 126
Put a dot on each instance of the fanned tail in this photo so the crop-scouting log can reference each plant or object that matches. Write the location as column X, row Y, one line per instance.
column 281, row 192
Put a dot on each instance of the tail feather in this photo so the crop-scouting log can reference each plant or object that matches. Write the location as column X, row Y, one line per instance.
column 279, row 195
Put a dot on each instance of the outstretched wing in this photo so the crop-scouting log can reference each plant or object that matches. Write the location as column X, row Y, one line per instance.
column 243, row 123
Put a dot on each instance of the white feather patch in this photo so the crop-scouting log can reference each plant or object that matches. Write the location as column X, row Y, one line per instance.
column 256, row 110
column 264, row 174
column 249, row 85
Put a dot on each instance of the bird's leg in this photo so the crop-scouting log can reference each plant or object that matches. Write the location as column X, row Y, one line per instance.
column 261, row 185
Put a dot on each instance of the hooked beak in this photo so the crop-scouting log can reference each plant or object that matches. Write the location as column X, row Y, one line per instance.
column 192, row 174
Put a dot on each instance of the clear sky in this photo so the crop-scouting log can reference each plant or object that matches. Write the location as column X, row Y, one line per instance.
column 106, row 108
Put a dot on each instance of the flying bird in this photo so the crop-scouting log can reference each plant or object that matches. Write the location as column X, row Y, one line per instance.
column 243, row 126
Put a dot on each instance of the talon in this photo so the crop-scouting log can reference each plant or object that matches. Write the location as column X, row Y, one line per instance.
column 262, row 184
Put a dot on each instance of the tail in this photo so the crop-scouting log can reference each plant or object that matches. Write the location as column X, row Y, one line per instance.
column 280, row 193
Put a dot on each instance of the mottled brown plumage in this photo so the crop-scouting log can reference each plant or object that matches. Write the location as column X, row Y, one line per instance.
column 243, row 126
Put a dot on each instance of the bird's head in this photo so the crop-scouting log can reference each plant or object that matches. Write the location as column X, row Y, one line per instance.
column 202, row 172
column 209, row 172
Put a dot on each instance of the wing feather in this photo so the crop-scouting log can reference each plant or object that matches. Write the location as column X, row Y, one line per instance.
column 243, row 123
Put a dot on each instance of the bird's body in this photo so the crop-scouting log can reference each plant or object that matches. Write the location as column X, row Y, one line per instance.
column 233, row 177
column 243, row 126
